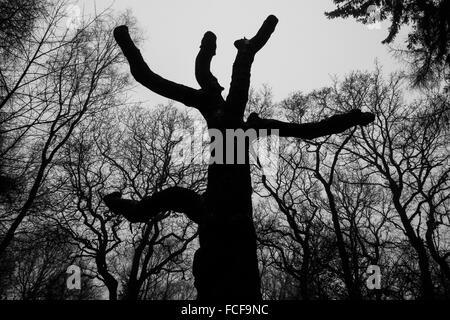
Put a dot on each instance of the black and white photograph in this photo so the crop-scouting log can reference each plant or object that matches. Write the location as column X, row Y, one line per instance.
column 224, row 159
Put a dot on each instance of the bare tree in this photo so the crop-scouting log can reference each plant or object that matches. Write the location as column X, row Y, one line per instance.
column 40, row 260
column 64, row 78
column 406, row 153
column 226, row 263
column 329, row 177
column 131, row 151
column 17, row 20
column 79, row 210
column 142, row 158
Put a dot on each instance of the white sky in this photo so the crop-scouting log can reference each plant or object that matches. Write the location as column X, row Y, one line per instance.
column 303, row 53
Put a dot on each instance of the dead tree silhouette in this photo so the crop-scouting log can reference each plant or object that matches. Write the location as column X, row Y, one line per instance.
column 225, row 265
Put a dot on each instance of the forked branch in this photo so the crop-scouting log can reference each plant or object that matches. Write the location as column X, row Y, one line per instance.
column 240, row 79
column 142, row 73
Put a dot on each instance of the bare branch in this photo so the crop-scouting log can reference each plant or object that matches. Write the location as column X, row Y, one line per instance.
column 142, row 73
column 203, row 74
column 331, row 125
column 240, row 79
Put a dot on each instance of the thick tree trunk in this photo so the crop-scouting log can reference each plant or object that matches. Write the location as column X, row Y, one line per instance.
column 132, row 293
column 228, row 265
column 225, row 265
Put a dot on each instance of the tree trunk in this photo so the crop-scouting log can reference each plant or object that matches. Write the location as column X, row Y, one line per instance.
column 427, row 291
column 304, row 270
column 108, row 279
column 228, row 265
column 112, row 289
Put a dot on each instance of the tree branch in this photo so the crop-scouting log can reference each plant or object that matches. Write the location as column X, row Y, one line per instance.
column 240, row 79
column 331, row 125
column 261, row 37
column 142, row 73
column 203, row 74
column 174, row 198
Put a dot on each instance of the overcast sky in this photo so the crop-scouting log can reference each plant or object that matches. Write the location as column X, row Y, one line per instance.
column 303, row 53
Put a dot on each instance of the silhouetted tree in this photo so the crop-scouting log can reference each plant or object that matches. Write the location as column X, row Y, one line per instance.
column 406, row 153
column 225, row 265
column 410, row 146
column 17, row 21
column 40, row 259
column 132, row 150
column 64, row 77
